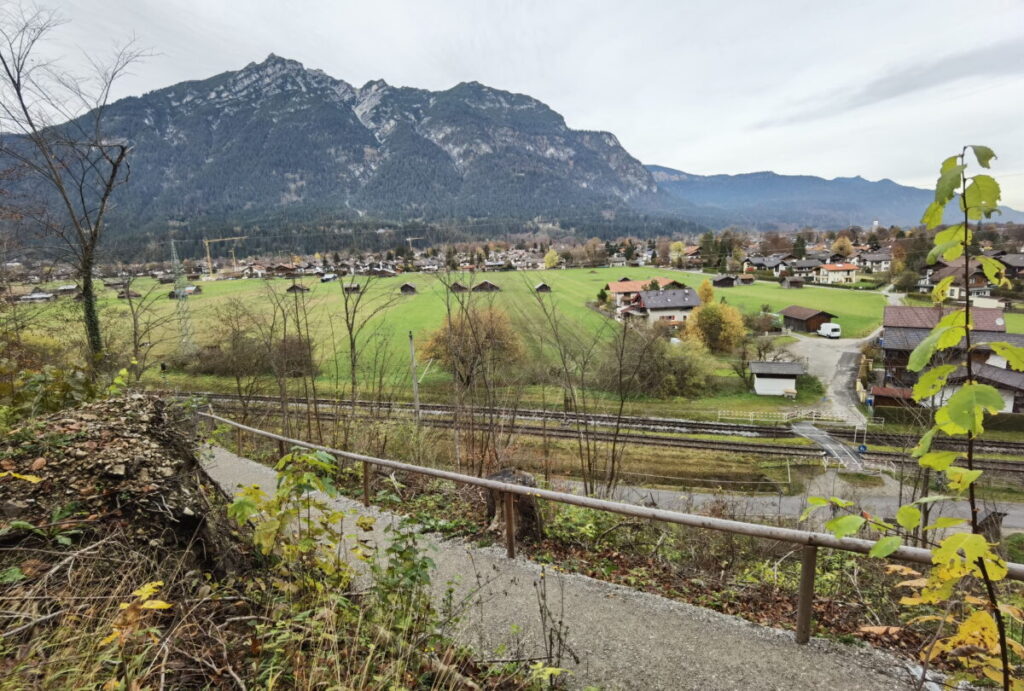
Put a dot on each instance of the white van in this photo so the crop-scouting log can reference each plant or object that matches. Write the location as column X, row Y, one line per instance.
column 830, row 330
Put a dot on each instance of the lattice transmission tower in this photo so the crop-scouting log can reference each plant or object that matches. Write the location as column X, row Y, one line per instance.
column 188, row 344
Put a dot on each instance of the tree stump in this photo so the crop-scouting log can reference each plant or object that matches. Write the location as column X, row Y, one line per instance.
column 528, row 522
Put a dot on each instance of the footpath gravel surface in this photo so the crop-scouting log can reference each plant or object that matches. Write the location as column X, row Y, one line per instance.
column 623, row 639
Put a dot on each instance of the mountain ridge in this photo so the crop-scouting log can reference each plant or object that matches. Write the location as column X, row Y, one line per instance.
column 798, row 200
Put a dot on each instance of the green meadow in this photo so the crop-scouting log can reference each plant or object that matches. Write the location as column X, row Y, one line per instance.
column 424, row 312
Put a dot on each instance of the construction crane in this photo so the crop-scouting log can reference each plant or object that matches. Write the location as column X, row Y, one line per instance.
column 409, row 240
column 209, row 260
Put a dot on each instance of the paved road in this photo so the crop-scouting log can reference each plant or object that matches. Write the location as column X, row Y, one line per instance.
column 834, row 361
column 624, row 639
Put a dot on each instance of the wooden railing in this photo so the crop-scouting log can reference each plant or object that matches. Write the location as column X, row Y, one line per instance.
column 810, row 541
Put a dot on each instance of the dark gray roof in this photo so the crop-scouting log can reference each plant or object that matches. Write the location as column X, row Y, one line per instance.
column 1014, row 260
column 793, row 369
column 669, row 299
column 798, row 312
column 877, row 256
column 997, row 376
column 806, row 264
column 900, row 338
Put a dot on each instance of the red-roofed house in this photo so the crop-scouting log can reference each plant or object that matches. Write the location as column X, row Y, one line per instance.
column 834, row 274
column 625, row 291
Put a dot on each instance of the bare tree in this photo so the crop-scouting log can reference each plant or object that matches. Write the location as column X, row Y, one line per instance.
column 148, row 325
column 53, row 122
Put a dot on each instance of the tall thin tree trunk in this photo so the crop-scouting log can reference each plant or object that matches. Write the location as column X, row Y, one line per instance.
column 89, row 313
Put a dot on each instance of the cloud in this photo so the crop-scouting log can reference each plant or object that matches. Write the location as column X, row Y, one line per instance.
column 995, row 60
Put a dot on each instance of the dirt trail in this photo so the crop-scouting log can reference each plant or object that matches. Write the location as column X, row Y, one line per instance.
column 624, row 639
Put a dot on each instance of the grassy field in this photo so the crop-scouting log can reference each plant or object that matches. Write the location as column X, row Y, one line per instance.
column 859, row 312
column 424, row 312
column 1015, row 322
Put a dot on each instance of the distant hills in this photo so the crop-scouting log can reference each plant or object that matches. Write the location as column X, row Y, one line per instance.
column 766, row 199
column 278, row 148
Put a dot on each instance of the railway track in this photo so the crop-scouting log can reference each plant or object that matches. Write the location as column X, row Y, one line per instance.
column 433, row 415
column 908, row 442
column 789, row 451
column 653, row 424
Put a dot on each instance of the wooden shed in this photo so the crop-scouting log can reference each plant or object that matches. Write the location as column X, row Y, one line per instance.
column 805, row 319
column 457, row 287
column 723, row 281
column 352, row 288
column 407, row 289
column 542, row 288
column 297, row 288
column 485, row 287
column 793, row 282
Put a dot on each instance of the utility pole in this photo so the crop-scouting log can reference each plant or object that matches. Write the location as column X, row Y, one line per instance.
column 415, row 381
column 188, row 345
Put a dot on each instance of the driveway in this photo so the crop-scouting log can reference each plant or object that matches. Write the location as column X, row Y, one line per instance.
column 834, row 362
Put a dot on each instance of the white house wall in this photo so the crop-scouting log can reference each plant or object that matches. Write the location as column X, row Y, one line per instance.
column 772, row 386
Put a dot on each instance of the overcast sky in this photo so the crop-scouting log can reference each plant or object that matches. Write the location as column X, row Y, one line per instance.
column 878, row 89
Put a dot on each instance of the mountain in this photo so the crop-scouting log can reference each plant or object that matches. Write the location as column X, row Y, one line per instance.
column 277, row 143
column 768, row 199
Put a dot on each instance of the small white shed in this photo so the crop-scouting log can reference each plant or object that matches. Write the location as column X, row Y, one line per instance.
column 775, row 378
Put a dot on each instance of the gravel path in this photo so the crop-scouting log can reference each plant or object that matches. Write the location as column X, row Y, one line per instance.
column 624, row 639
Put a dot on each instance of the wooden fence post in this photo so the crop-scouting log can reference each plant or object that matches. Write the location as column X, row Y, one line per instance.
column 510, row 525
column 280, row 449
column 366, row 483
column 805, row 606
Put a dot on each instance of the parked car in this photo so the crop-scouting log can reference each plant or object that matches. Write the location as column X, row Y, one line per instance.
column 328, row 277
column 830, row 330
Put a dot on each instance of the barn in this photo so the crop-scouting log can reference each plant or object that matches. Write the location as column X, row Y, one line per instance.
column 775, row 378
column 457, row 287
column 485, row 287
column 806, row 319
column 542, row 288
column 407, row 289
column 792, row 282
column 723, row 281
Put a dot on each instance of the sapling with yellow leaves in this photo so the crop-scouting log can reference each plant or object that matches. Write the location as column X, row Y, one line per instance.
column 970, row 630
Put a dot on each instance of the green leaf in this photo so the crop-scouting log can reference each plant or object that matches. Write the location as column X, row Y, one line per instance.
column 1014, row 355
column 944, row 423
column 951, row 337
column 925, row 443
column 932, row 381
column 949, row 163
column 933, row 215
column 939, row 292
column 982, row 153
column 924, row 351
column 954, row 318
column 995, row 271
column 815, row 503
column 960, row 479
column 952, row 233
column 950, row 246
column 949, row 180
column 945, row 522
column 909, row 517
column 11, row 575
column 939, row 460
column 885, row 547
column 981, row 197
column 967, row 407
column 841, row 526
